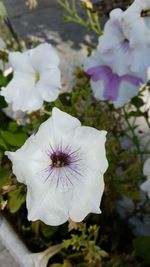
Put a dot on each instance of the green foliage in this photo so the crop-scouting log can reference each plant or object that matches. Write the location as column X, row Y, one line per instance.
column 16, row 198
column 4, row 176
column 141, row 246
column 86, row 243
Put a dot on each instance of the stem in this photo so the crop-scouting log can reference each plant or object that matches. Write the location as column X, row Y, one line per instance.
column 13, row 33
column 134, row 137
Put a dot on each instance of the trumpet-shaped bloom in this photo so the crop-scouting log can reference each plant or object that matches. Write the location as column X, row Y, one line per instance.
column 136, row 23
column 146, row 185
column 108, row 85
column 63, row 166
column 36, row 78
column 116, row 50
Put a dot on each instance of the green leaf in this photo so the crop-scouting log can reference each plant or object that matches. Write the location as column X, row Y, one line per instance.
column 4, row 176
column 3, row 103
column 14, row 139
column 17, row 198
column 142, row 246
column 2, row 144
column 48, row 231
column 137, row 102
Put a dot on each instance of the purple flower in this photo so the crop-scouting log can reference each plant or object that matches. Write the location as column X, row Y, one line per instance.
column 116, row 48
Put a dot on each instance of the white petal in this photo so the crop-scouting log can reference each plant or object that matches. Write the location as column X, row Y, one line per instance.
column 58, row 129
column 20, row 62
column 112, row 31
column 126, row 92
column 29, row 161
column 86, row 196
column 92, row 142
column 98, row 89
column 44, row 56
column 136, row 27
column 49, row 84
column 22, row 94
column 64, row 123
column 146, row 168
column 146, row 187
column 93, row 61
column 50, row 205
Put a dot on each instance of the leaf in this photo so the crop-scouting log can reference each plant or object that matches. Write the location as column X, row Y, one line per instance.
column 3, row 103
column 142, row 246
column 14, row 139
column 48, row 231
column 2, row 144
column 4, row 177
column 3, row 80
column 17, row 198
column 137, row 102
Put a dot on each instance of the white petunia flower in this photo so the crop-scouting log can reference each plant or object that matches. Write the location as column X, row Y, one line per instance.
column 146, row 170
column 109, row 85
column 136, row 23
column 63, row 166
column 116, row 50
column 36, row 78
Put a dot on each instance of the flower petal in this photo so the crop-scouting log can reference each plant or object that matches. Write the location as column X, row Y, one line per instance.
column 20, row 62
column 126, row 92
column 86, row 196
column 98, row 89
column 29, row 161
column 146, row 187
column 136, row 27
column 21, row 93
column 44, row 56
column 49, row 84
column 93, row 61
column 50, row 206
column 146, row 168
column 92, row 142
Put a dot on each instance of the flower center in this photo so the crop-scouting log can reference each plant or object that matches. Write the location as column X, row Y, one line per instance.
column 37, row 76
column 145, row 13
column 60, row 159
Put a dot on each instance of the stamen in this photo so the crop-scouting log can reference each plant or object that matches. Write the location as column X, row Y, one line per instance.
column 65, row 166
column 37, row 76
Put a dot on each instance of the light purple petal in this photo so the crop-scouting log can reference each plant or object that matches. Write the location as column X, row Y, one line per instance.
column 112, row 81
column 111, row 87
column 132, row 79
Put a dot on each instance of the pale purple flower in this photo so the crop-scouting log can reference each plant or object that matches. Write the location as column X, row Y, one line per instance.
column 136, row 23
column 108, row 85
column 116, row 48
column 63, row 166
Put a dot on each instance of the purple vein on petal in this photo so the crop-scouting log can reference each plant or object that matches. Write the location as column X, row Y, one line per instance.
column 132, row 79
column 111, row 87
column 111, row 80
column 98, row 73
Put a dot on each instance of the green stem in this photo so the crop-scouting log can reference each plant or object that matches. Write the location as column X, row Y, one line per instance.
column 134, row 137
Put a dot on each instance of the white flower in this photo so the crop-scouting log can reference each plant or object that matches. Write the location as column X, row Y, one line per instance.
column 136, row 23
column 109, row 85
column 62, row 166
column 36, row 78
column 146, row 170
column 116, row 50
column 19, row 116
